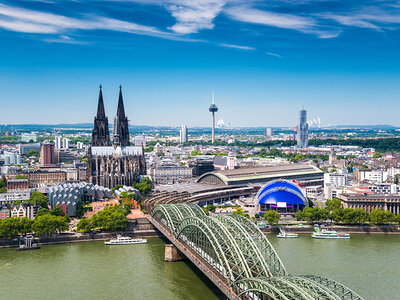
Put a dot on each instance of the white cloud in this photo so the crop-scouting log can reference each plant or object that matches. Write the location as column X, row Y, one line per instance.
column 349, row 20
column 31, row 21
column 236, row 46
column 367, row 18
column 305, row 24
column 256, row 16
column 194, row 15
column 273, row 54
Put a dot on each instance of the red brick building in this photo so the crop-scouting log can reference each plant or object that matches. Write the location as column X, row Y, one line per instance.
column 17, row 184
column 47, row 154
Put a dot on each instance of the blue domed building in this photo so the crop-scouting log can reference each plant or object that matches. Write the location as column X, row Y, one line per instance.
column 280, row 195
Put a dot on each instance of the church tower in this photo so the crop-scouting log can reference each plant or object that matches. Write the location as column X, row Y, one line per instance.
column 120, row 130
column 100, row 134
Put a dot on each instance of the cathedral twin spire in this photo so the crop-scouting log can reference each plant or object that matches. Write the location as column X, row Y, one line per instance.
column 100, row 134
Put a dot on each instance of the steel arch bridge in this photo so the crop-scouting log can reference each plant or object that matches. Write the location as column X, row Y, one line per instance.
column 241, row 256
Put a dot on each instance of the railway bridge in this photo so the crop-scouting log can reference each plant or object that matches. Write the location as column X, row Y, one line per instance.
column 238, row 258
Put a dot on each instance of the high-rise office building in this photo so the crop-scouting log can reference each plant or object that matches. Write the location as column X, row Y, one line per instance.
column 183, row 138
column 65, row 143
column 268, row 132
column 57, row 142
column 302, row 137
column 47, row 155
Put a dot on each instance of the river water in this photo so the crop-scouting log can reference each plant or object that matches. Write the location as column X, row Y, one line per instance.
column 369, row 264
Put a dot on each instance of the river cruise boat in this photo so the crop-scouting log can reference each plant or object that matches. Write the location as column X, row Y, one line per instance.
column 125, row 240
column 285, row 234
column 329, row 234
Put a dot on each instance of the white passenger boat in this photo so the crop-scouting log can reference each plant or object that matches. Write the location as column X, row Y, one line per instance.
column 125, row 240
column 329, row 234
column 284, row 234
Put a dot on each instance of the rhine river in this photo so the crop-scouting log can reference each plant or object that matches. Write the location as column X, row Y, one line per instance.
column 369, row 264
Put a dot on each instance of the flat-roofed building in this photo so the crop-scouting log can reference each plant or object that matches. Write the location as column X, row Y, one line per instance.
column 43, row 178
column 369, row 202
column 305, row 175
column 17, row 184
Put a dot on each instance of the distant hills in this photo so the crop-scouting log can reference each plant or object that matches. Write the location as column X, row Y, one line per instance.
column 89, row 126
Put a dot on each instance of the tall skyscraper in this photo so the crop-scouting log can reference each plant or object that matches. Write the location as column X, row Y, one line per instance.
column 47, row 155
column 100, row 133
column 65, row 143
column 213, row 109
column 183, row 138
column 302, row 137
column 120, row 130
column 268, row 132
column 57, row 142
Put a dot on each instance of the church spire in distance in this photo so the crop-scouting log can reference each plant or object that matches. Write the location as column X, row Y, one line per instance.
column 121, row 129
column 101, row 114
column 120, row 109
column 100, row 133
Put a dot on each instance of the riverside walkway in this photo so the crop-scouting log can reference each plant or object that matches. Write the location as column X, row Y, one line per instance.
column 237, row 257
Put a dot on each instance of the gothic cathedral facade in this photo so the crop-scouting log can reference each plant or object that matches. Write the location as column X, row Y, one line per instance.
column 110, row 164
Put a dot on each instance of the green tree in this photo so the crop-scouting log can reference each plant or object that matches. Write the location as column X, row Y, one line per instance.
column 355, row 216
column 33, row 153
column 117, row 187
column 377, row 217
column 211, row 207
column 333, row 204
column 42, row 212
column 2, row 183
column 57, row 211
column 39, row 199
column 9, row 227
column 25, row 225
column 48, row 224
column 21, row 177
column 257, row 216
column 313, row 214
column 85, row 225
column 110, row 219
column 272, row 217
column 144, row 186
column 195, row 152
column 377, row 155
column 79, row 210
column 396, row 179
column 3, row 190
column 397, row 219
column 310, row 203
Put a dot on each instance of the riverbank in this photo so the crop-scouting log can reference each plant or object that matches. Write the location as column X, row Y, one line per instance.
column 142, row 228
column 349, row 229
column 139, row 228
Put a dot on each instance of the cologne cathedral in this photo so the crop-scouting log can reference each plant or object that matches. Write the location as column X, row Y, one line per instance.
column 112, row 162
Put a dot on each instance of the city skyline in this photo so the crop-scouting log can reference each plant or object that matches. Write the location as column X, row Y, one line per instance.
column 264, row 60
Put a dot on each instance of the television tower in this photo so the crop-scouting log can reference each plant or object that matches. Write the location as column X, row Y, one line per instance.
column 213, row 109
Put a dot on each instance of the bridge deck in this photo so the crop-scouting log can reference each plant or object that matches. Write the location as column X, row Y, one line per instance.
column 197, row 260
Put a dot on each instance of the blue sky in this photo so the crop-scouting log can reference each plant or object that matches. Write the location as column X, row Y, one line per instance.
column 264, row 59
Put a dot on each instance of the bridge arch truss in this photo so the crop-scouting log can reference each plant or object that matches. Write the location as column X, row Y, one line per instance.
column 241, row 255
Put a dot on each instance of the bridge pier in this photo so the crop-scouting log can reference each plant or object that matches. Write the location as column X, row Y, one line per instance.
column 172, row 253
